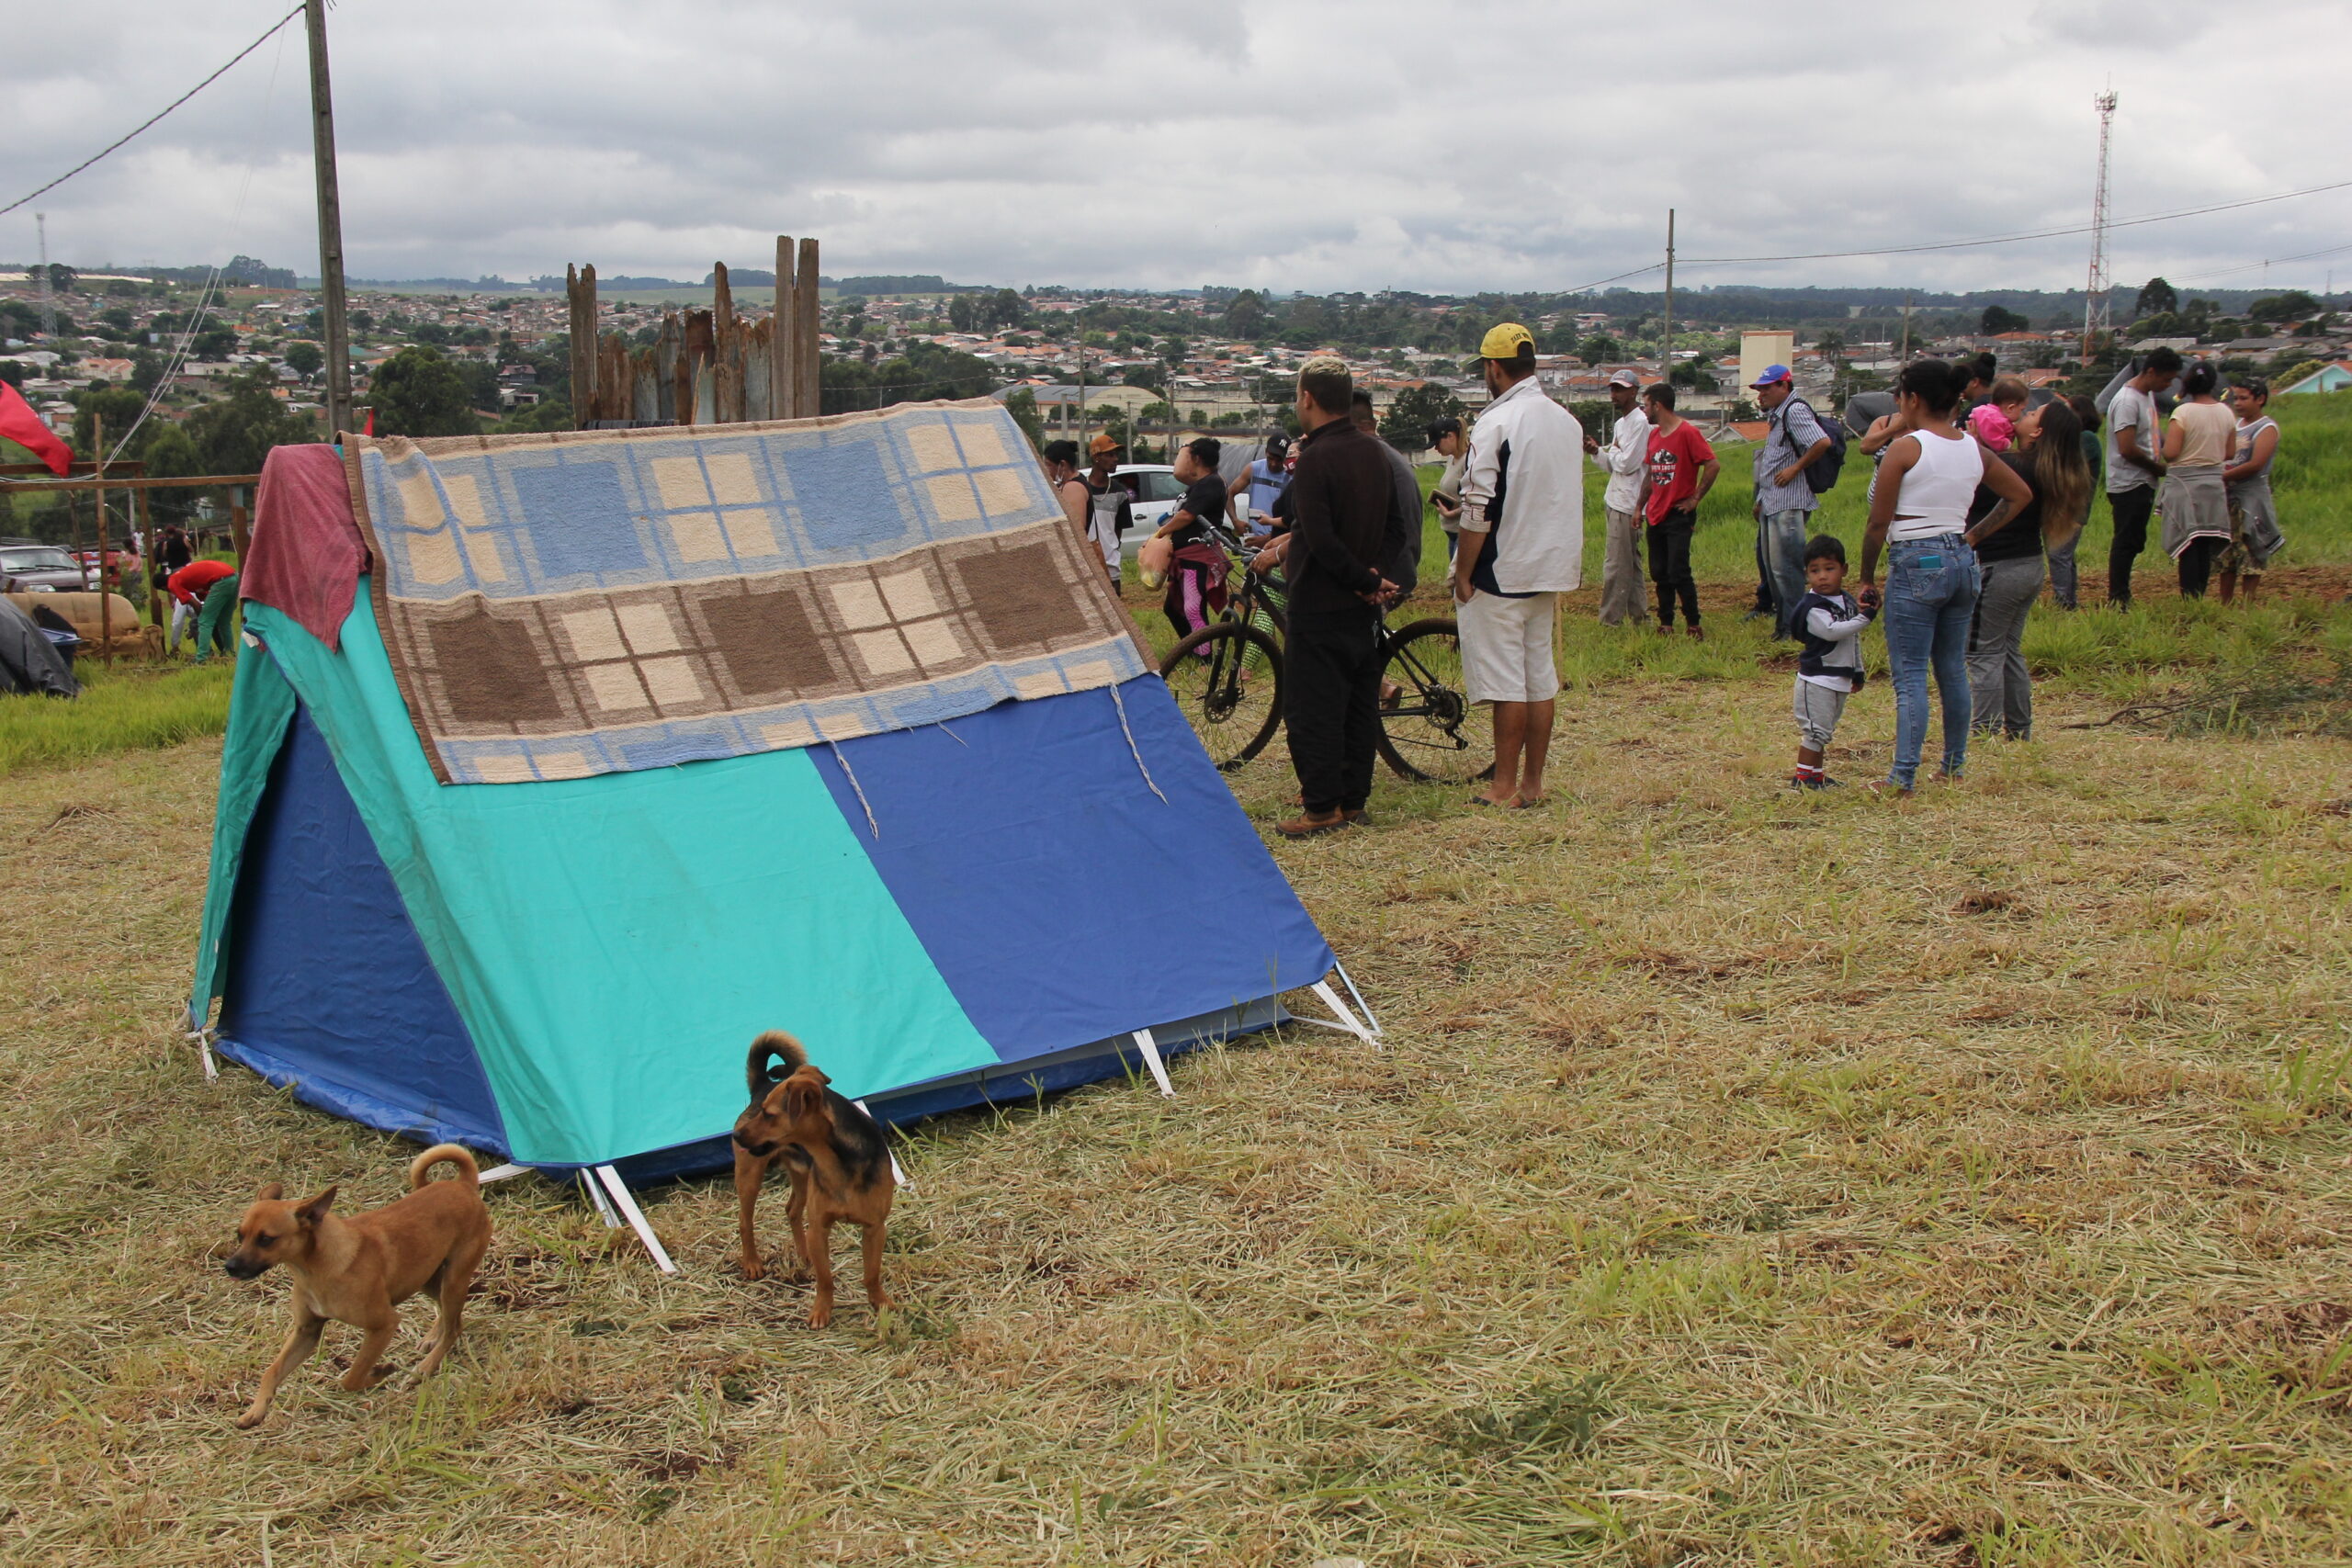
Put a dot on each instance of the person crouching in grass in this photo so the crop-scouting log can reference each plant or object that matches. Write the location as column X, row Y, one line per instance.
column 1828, row 623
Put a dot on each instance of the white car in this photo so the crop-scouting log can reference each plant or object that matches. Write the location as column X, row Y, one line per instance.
column 1156, row 493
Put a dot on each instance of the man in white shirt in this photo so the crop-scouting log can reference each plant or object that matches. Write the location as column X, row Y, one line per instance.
column 2134, row 464
column 1522, row 545
column 1622, row 592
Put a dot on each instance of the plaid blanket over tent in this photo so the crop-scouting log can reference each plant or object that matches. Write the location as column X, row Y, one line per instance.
column 577, row 602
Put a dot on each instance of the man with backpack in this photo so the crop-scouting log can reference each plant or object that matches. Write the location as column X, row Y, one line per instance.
column 1786, row 481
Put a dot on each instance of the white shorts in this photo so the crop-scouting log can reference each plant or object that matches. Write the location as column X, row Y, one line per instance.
column 1507, row 647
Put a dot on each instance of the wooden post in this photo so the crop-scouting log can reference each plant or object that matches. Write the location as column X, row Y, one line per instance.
column 156, row 611
column 580, row 284
column 330, row 294
column 105, row 594
column 811, row 378
column 238, row 538
column 784, row 354
column 726, row 350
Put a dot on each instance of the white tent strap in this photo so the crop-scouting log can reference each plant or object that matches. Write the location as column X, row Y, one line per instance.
column 1159, row 1069
column 603, row 1204
column 1340, row 1009
column 636, row 1217
column 1133, row 751
column 501, row 1173
column 203, row 1041
column 850, row 774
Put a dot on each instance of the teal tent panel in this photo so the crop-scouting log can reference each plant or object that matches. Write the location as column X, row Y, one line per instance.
column 261, row 705
column 614, row 943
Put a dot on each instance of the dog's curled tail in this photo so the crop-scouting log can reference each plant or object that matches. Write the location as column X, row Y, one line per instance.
column 776, row 1043
column 468, row 1171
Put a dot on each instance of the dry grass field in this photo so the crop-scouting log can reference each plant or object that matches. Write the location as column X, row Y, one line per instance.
column 1746, row 1179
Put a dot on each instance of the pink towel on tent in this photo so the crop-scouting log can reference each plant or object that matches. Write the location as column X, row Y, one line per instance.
column 306, row 554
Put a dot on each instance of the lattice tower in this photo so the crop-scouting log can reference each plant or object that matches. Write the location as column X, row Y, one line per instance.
column 2095, row 307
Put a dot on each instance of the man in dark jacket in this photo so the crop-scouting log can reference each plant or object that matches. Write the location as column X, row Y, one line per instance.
column 1342, row 496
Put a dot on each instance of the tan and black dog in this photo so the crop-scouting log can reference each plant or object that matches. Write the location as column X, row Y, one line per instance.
column 359, row 1270
column 838, row 1158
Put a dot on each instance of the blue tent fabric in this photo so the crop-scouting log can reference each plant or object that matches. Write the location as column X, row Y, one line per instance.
column 328, row 987
column 1063, row 900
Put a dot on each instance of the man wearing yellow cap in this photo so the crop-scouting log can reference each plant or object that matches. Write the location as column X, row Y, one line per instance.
column 1522, row 545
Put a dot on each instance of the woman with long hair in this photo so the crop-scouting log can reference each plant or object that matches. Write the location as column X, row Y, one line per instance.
column 1919, row 509
column 2196, row 502
column 2049, row 457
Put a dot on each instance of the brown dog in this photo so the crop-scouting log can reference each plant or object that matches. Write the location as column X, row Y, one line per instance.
column 838, row 1158
column 359, row 1270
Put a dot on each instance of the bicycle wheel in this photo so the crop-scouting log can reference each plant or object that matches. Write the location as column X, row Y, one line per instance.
column 1429, row 728
column 1229, row 680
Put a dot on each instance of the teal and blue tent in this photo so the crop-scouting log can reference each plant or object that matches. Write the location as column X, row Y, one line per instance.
column 558, row 768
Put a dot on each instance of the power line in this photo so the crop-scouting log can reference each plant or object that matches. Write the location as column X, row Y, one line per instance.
column 2267, row 261
column 2016, row 239
column 157, row 116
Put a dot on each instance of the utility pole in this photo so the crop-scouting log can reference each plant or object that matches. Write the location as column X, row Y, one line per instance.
column 2095, row 306
column 1667, row 355
column 1904, row 354
column 339, row 345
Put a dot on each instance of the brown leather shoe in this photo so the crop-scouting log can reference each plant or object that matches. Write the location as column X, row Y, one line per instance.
column 1307, row 824
column 1698, row 635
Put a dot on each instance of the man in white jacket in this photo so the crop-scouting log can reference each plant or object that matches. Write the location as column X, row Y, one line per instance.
column 1622, row 591
column 1522, row 545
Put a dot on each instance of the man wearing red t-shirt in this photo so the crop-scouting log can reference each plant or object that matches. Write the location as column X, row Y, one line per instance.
column 1681, row 469
column 209, row 587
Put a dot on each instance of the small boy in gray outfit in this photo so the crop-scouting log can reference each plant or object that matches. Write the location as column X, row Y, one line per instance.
column 1828, row 625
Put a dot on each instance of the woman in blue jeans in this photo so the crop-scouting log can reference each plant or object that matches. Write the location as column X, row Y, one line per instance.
column 1919, row 507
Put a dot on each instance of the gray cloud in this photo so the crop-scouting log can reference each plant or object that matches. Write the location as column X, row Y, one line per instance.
column 1493, row 144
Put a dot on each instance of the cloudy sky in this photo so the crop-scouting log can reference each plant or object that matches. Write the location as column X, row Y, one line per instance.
column 1449, row 147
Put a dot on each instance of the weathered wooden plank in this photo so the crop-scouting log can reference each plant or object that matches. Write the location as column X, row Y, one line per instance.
column 580, row 285
column 809, row 379
column 759, row 360
column 784, row 354
column 665, row 367
column 725, row 350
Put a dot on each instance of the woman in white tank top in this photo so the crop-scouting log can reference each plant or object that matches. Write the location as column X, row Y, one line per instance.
column 1918, row 513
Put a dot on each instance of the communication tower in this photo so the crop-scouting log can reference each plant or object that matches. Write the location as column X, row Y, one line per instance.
column 2095, row 317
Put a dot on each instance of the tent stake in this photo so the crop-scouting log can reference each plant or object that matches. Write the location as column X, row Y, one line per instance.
column 203, row 1039
column 603, row 1204
column 500, row 1173
column 897, row 1175
column 1349, row 981
column 1347, row 1020
column 1150, row 1049
column 636, row 1217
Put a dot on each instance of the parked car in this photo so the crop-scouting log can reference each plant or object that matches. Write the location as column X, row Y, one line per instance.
column 1156, row 491
column 31, row 567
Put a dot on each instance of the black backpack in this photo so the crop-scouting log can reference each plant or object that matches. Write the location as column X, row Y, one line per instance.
column 1821, row 474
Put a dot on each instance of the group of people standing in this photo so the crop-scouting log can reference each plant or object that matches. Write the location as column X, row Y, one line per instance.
column 1976, row 498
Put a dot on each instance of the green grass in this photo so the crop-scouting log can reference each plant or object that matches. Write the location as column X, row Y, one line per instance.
column 1745, row 1179
column 123, row 706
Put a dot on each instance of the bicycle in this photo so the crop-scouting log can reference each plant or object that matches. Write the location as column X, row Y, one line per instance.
column 1227, row 678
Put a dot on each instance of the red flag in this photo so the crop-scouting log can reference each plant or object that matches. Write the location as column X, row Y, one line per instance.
column 20, row 425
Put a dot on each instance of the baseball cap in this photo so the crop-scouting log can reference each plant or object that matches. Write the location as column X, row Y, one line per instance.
column 1624, row 379
column 1773, row 376
column 1506, row 341
column 1103, row 444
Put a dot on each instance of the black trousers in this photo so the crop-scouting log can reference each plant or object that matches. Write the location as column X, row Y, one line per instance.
column 1670, row 566
column 2197, row 565
column 1332, row 703
column 2131, row 509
